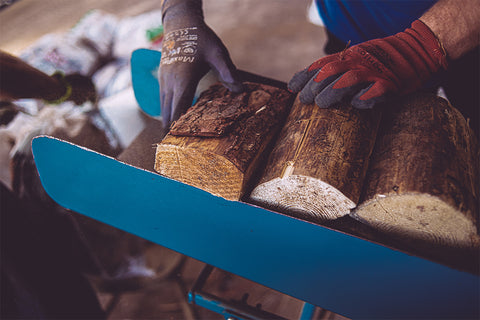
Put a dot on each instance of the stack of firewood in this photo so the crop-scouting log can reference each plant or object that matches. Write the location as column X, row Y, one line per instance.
column 411, row 171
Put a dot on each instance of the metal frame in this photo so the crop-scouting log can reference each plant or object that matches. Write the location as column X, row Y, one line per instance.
column 339, row 272
column 235, row 309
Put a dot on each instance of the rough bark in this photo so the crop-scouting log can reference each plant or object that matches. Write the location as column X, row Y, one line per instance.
column 317, row 167
column 218, row 143
column 422, row 183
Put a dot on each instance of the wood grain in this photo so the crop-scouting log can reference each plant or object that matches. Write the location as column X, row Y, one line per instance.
column 318, row 164
column 423, row 182
column 219, row 142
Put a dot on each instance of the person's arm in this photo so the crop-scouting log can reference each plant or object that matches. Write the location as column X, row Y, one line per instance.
column 456, row 24
column 369, row 73
column 190, row 49
column 19, row 80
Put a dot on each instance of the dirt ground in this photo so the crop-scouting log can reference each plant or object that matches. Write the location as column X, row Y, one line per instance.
column 272, row 38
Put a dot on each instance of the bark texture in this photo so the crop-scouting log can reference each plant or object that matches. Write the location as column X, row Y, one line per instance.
column 317, row 167
column 423, row 180
column 218, row 143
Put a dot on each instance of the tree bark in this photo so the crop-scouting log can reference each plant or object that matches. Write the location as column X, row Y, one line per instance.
column 218, row 143
column 422, row 183
column 317, row 167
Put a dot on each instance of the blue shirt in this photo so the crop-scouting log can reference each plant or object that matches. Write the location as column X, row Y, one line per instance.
column 362, row 20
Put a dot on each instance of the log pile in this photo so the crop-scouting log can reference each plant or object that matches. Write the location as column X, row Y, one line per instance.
column 417, row 177
column 217, row 145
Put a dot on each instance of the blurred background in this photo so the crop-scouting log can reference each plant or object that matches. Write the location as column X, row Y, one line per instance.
column 270, row 37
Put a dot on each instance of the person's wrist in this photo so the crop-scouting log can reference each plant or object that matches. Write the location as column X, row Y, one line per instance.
column 178, row 14
column 64, row 92
column 431, row 43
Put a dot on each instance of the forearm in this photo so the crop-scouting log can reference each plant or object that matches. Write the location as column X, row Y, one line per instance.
column 19, row 80
column 456, row 24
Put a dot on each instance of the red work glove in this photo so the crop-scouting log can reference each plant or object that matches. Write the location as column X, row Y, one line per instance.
column 367, row 73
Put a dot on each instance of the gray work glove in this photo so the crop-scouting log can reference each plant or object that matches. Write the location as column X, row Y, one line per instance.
column 190, row 49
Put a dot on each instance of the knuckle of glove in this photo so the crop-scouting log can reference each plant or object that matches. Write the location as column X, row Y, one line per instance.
column 316, row 65
column 320, row 63
column 374, row 58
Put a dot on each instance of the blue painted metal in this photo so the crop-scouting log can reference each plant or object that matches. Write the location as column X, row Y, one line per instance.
column 210, row 303
column 232, row 309
column 347, row 275
column 144, row 67
column 307, row 311
column 229, row 311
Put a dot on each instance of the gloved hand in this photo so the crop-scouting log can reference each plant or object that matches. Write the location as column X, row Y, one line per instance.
column 83, row 89
column 367, row 73
column 190, row 49
column 76, row 87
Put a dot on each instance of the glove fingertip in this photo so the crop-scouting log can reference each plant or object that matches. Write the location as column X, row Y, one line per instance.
column 369, row 97
column 370, row 103
column 235, row 87
column 305, row 96
column 293, row 88
column 166, row 110
column 321, row 104
column 299, row 80
column 329, row 97
column 364, row 104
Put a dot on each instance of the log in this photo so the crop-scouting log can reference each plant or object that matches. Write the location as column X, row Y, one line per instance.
column 422, row 183
column 317, row 167
column 217, row 145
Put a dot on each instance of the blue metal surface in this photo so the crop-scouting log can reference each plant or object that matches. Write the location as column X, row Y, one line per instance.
column 338, row 272
column 212, row 305
column 144, row 67
column 230, row 309
column 307, row 311
column 209, row 303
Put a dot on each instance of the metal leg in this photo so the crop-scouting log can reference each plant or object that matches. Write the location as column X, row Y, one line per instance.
column 235, row 309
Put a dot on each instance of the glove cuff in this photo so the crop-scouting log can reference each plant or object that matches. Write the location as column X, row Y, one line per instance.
column 182, row 13
column 60, row 77
column 430, row 42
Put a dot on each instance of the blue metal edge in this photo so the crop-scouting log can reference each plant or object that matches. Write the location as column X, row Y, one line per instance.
column 341, row 273
column 144, row 68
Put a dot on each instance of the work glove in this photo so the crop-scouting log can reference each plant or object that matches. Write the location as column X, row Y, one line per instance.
column 368, row 73
column 190, row 49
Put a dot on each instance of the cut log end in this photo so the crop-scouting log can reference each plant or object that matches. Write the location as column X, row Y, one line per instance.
column 219, row 143
column 304, row 197
column 419, row 217
column 205, row 170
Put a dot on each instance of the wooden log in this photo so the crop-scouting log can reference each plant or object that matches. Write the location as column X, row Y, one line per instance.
column 318, row 164
column 218, row 143
column 423, row 181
